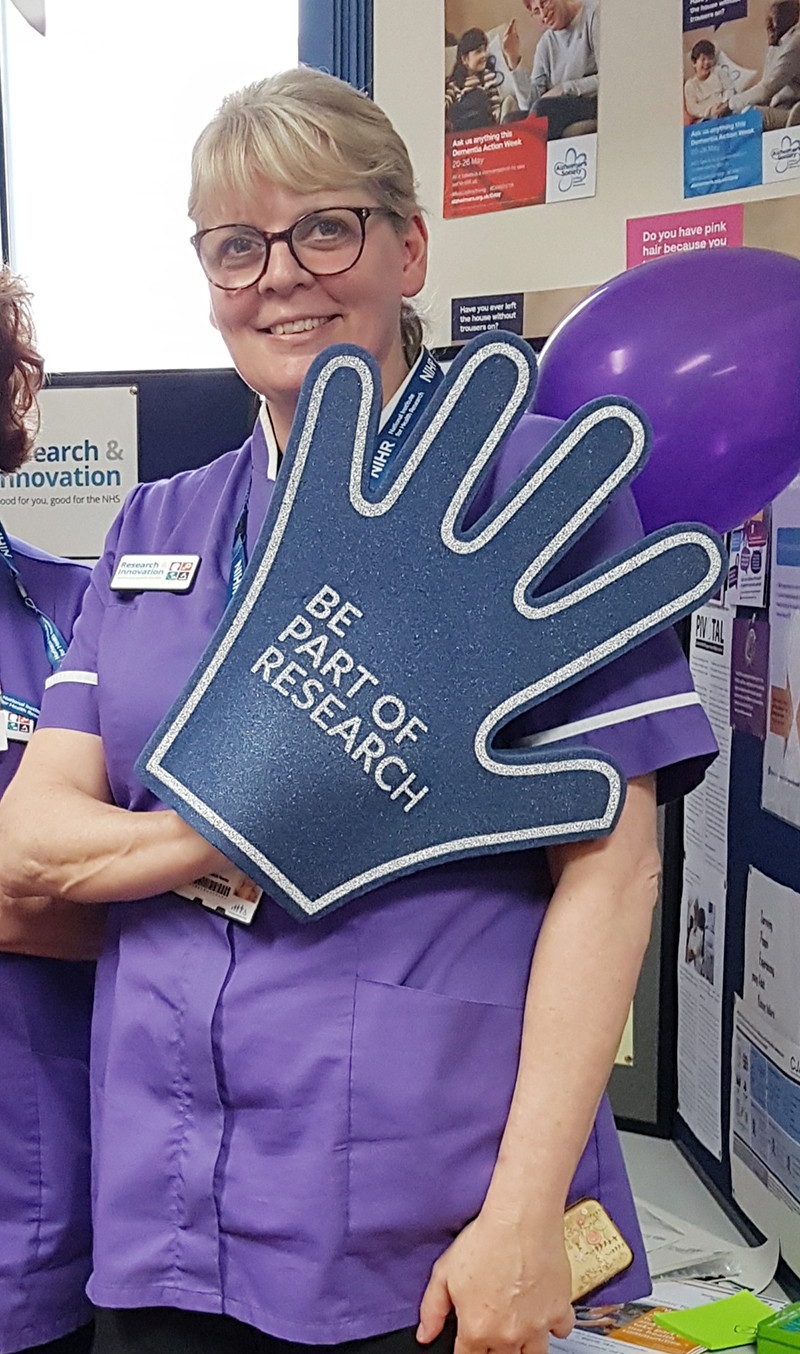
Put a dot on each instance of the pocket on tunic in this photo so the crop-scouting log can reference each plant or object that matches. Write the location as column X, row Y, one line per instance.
column 430, row 1087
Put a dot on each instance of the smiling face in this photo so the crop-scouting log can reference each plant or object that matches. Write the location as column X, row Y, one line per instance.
column 703, row 66
column 275, row 328
column 475, row 61
column 554, row 14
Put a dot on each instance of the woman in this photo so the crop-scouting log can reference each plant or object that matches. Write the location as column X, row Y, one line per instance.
column 705, row 94
column 472, row 93
column 296, row 1124
column 45, row 1002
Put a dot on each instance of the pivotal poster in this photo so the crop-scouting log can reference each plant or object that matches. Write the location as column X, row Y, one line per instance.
column 741, row 94
column 520, row 89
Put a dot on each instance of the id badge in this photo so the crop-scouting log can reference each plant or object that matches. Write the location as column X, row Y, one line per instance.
column 154, row 573
column 230, row 894
column 596, row 1249
column 17, row 720
column 15, row 728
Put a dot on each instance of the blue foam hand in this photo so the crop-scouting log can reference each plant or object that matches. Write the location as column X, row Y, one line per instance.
column 339, row 729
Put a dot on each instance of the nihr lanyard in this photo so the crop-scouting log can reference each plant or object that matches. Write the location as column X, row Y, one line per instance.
column 391, row 440
column 398, row 427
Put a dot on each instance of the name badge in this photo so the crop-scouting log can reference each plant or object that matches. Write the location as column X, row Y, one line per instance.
column 15, row 728
column 17, row 719
column 231, row 894
column 155, row 573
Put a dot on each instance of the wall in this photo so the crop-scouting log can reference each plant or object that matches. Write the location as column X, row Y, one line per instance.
column 574, row 245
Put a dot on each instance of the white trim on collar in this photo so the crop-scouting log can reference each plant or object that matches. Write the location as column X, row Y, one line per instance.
column 273, row 452
column 388, row 409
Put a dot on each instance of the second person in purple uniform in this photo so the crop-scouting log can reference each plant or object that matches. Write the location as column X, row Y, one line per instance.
column 345, row 1131
column 45, row 996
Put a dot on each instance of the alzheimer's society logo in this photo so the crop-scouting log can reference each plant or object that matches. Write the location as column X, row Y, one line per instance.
column 572, row 171
column 786, row 154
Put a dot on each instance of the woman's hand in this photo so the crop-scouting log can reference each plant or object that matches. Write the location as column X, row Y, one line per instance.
column 507, row 1274
column 509, row 1282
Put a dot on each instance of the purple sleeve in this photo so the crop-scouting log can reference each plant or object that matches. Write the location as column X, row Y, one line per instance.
column 70, row 697
column 640, row 710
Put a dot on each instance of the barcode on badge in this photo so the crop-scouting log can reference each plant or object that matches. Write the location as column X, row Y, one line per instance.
column 212, row 885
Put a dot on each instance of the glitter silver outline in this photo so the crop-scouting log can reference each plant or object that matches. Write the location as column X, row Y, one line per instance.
column 601, row 494
column 557, row 456
column 615, row 642
column 455, row 393
column 249, row 600
column 462, row 845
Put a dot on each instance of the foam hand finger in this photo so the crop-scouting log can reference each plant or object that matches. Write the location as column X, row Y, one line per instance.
column 610, row 610
column 488, row 388
column 560, row 493
column 333, row 430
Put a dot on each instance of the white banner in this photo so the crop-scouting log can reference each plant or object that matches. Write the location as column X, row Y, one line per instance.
column 84, row 461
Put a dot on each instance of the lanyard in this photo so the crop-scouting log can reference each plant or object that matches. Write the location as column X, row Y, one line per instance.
column 54, row 642
column 426, row 376
column 421, row 384
column 238, row 553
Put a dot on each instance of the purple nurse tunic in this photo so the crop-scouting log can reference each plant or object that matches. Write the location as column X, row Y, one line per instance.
column 292, row 1122
column 45, row 1011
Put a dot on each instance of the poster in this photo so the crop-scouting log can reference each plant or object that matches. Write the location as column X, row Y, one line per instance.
column 707, row 228
column 780, row 786
column 84, row 461
column 706, row 808
column 702, row 938
column 701, row 946
column 741, row 95
column 765, row 1128
column 772, row 954
column 749, row 561
column 750, row 676
column 520, row 104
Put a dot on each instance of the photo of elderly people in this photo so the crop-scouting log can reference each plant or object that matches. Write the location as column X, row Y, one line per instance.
column 507, row 60
column 752, row 62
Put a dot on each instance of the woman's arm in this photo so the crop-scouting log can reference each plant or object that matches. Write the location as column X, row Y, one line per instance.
column 507, row 1274
column 61, row 837
column 50, row 928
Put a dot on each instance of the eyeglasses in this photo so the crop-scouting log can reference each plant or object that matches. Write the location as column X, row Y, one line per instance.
column 324, row 243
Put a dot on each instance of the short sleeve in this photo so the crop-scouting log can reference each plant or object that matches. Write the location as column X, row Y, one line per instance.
column 70, row 696
column 641, row 709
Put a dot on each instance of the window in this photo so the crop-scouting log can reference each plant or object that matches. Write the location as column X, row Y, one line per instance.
column 101, row 117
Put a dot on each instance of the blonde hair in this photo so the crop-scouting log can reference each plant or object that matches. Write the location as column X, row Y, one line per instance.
column 307, row 131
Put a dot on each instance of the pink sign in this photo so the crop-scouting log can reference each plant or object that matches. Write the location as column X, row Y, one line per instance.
column 651, row 237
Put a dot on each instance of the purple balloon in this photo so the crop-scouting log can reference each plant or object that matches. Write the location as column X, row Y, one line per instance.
column 707, row 344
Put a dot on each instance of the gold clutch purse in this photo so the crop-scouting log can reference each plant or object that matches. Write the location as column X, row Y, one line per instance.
column 596, row 1249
